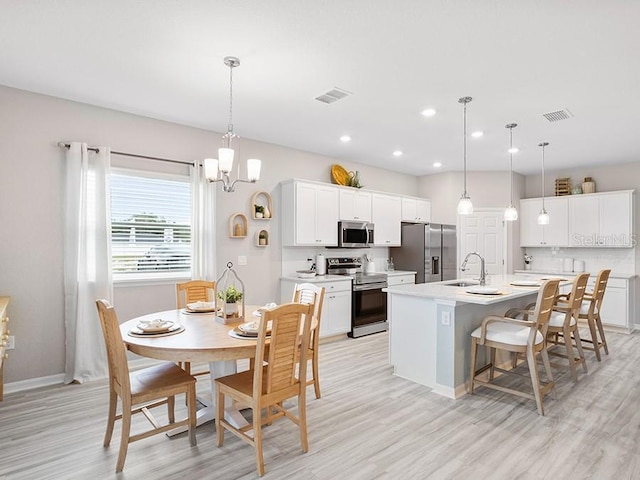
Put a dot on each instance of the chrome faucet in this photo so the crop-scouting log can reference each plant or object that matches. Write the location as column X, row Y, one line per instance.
column 483, row 273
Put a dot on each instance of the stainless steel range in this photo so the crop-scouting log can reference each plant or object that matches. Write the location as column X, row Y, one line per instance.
column 368, row 301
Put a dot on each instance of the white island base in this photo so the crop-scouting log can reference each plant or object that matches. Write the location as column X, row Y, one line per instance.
column 430, row 329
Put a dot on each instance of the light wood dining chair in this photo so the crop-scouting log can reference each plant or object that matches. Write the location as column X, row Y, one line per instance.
column 191, row 292
column 266, row 386
column 564, row 324
column 526, row 336
column 147, row 388
column 590, row 311
column 309, row 293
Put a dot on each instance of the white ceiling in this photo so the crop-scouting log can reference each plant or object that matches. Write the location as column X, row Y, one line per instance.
column 517, row 59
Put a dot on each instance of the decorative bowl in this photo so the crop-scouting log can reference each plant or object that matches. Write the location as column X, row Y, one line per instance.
column 306, row 273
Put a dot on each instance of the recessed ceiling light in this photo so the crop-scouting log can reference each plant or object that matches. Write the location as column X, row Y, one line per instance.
column 345, row 138
column 477, row 134
column 437, row 164
column 513, row 150
column 397, row 153
column 429, row 112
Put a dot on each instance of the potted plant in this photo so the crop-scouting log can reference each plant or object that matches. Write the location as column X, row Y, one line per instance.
column 259, row 211
column 527, row 261
column 230, row 296
column 262, row 238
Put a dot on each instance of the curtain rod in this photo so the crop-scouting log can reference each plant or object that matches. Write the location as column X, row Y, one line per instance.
column 134, row 155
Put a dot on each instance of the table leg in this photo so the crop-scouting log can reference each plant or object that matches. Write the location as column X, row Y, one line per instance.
column 208, row 412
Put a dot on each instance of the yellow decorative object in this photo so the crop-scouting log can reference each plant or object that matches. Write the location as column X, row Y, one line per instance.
column 238, row 225
column 340, row 175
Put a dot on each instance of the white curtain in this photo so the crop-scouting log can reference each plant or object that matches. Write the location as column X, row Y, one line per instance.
column 203, row 232
column 87, row 260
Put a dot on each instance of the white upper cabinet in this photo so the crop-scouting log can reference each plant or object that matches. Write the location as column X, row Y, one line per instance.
column 355, row 205
column 387, row 216
column 416, row 210
column 309, row 214
column 555, row 234
column 602, row 219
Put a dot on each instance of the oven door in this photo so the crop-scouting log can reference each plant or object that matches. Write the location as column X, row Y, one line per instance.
column 369, row 309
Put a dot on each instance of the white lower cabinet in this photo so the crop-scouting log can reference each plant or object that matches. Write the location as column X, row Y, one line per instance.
column 336, row 308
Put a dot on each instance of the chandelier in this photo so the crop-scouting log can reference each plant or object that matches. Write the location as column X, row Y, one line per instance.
column 219, row 170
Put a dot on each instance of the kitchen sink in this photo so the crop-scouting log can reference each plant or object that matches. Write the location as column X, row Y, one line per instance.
column 462, row 283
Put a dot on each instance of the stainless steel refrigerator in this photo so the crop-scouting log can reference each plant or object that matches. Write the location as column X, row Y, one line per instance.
column 428, row 249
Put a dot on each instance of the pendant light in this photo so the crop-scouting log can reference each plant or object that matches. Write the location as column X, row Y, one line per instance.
column 543, row 216
column 219, row 169
column 465, row 207
column 511, row 214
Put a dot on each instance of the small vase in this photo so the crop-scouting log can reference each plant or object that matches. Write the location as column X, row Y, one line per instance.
column 267, row 212
column 527, row 266
column 262, row 241
column 230, row 308
column 259, row 214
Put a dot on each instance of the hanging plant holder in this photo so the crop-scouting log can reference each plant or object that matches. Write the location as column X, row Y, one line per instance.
column 229, row 297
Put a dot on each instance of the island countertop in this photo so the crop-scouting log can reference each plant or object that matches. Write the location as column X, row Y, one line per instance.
column 503, row 284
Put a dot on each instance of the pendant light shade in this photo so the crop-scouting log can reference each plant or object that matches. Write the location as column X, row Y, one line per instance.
column 511, row 214
column 543, row 216
column 465, row 207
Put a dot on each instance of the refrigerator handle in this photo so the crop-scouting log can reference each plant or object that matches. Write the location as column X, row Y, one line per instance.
column 435, row 265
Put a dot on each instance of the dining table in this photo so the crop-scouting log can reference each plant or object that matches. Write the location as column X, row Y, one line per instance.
column 205, row 338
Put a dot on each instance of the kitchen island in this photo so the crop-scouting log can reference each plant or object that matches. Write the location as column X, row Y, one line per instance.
column 430, row 326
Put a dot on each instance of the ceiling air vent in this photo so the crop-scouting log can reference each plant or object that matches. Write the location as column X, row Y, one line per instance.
column 563, row 114
column 333, row 95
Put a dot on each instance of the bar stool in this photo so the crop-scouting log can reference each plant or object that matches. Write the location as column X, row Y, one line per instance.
column 590, row 311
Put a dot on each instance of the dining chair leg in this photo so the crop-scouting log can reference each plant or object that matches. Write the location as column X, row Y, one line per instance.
column 302, row 421
column 257, row 438
column 219, row 416
column 124, row 434
column 171, row 408
column 316, row 377
column 492, row 370
column 602, row 337
column 474, row 352
column 576, row 334
column 594, row 336
column 111, row 420
column 547, row 367
column 570, row 357
column 535, row 379
column 191, row 405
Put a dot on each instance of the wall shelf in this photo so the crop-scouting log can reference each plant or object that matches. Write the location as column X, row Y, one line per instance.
column 263, row 199
column 238, row 225
column 262, row 242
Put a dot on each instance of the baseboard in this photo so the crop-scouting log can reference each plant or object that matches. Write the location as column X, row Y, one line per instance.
column 32, row 383
column 58, row 379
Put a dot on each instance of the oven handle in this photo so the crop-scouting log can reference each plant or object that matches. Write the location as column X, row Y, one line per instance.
column 369, row 286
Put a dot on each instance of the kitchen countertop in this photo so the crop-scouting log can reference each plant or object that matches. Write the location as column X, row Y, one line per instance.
column 335, row 278
column 613, row 274
column 443, row 291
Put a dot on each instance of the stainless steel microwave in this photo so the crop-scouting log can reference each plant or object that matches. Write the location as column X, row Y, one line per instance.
column 355, row 234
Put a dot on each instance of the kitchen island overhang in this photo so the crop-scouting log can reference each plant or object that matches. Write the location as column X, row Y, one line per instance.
column 430, row 327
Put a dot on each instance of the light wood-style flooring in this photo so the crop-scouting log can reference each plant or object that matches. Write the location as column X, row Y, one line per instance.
column 368, row 425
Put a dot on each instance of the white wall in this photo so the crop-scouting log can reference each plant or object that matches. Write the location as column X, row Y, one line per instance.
column 31, row 199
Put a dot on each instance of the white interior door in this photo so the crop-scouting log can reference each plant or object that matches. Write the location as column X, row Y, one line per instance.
column 483, row 232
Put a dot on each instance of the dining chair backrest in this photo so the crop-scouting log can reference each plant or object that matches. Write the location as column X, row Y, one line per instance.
column 544, row 305
column 194, row 291
column 279, row 374
column 116, row 352
column 309, row 293
column 600, row 287
column 577, row 292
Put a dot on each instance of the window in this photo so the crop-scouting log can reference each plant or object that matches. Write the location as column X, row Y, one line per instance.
column 150, row 225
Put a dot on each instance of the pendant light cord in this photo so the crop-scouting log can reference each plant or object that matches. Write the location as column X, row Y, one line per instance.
column 230, row 125
column 464, row 154
column 511, row 167
column 544, row 144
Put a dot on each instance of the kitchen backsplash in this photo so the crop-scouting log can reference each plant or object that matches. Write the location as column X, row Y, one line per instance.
column 620, row 260
column 295, row 258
